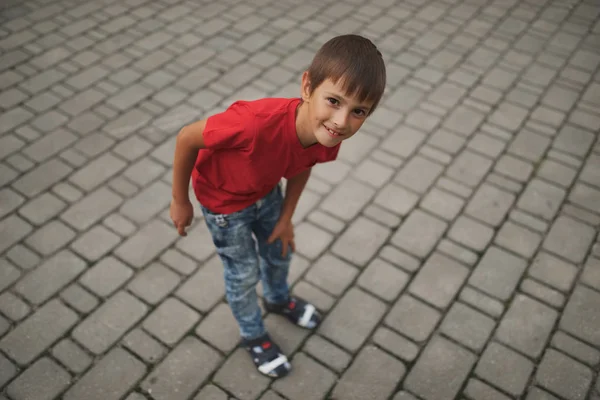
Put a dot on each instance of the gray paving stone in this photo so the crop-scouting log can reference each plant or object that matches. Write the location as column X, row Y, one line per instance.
column 439, row 280
column 171, row 320
column 346, row 201
column 545, row 294
column 442, row 204
column 576, row 348
column 154, row 283
column 33, row 336
column 541, row 199
column 327, row 353
column 42, row 208
column 569, row 239
column 487, row 145
column 43, row 380
column 319, row 298
column 370, row 365
column 9, row 143
column 469, row 168
column 553, row 271
column 129, row 97
column 564, row 376
column 8, row 370
column 9, row 200
column 111, row 377
column 94, row 144
column 418, row 174
column 71, row 355
column 79, row 299
column 403, row 142
column 383, row 279
column 171, row 380
column 13, row 307
column 331, row 274
column 359, row 243
column 132, row 148
column 144, row 346
column 95, row 243
column 42, row 177
column 498, row 273
column 211, row 392
column 526, row 326
column 106, row 276
column 147, row 203
column 23, row 257
column 50, row 237
column 591, row 273
column 490, row 204
column 585, row 196
column 580, row 314
column 440, row 370
column 206, row 287
column 50, row 277
column 591, row 170
column 573, row 140
column 463, row 121
column 556, row 173
column 504, row 368
column 309, row 379
column 470, row 233
column 539, row 394
column 373, row 173
column 355, row 332
column 97, row 172
column 478, row 390
column 220, row 329
column 105, row 326
column 127, row 123
column 419, row 233
column 396, row 199
column 310, row 240
column 413, row 318
column 519, row 240
column 82, row 101
column 146, row 244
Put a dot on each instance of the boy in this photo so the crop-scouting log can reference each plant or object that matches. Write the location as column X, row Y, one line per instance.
column 236, row 160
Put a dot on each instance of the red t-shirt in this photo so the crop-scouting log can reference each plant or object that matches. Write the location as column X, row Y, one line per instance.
column 249, row 148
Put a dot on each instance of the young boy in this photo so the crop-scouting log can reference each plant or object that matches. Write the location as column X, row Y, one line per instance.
column 236, row 160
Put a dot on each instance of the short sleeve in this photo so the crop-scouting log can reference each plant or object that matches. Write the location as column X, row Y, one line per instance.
column 232, row 128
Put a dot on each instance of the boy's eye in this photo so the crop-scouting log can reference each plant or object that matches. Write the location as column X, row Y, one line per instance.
column 360, row 113
column 332, row 101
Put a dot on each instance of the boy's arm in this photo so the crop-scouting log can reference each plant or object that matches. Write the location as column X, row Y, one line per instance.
column 189, row 141
column 293, row 190
column 284, row 229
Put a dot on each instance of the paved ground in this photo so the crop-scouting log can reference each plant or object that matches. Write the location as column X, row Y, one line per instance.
column 453, row 247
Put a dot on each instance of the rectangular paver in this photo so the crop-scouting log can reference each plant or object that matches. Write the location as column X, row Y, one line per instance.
column 110, row 378
column 33, row 336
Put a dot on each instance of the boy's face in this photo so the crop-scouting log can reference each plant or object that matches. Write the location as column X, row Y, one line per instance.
column 333, row 115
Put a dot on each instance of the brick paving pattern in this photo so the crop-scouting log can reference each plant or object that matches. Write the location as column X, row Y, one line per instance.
column 453, row 247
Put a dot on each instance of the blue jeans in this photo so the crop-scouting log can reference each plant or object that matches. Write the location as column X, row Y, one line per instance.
column 247, row 260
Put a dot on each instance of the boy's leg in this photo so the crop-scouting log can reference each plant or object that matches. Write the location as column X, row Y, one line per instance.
column 275, row 267
column 232, row 236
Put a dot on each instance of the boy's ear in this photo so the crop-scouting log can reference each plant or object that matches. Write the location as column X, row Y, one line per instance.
column 305, row 87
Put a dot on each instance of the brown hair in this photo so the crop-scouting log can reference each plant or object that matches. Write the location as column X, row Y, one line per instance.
column 355, row 60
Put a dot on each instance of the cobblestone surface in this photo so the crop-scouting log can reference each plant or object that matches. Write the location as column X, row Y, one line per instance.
column 453, row 248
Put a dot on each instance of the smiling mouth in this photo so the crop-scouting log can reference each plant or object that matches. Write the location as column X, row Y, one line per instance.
column 332, row 132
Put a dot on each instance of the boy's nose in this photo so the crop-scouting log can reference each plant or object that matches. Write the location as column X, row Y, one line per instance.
column 340, row 119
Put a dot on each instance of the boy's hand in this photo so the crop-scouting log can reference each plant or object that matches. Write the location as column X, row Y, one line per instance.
column 182, row 214
column 284, row 230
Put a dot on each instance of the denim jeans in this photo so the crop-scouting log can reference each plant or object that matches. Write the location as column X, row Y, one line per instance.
column 241, row 242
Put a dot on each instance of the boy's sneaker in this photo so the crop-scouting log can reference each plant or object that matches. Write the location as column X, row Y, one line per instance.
column 298, row 311
column 267, row 357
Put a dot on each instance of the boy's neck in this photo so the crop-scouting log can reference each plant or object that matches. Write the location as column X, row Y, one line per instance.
column 303, row 131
